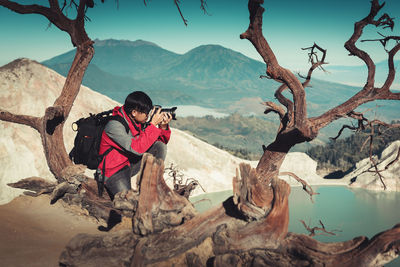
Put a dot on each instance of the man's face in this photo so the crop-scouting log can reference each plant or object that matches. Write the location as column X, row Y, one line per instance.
column 140, row 117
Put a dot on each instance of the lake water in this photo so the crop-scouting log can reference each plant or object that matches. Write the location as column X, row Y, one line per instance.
column 355, row 212
column 197, row 111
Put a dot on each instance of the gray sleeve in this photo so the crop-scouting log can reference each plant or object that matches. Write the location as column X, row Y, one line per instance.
column 116, row 131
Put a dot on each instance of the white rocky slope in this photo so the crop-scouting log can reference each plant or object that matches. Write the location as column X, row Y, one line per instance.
column 27, row 87
column 365, row 177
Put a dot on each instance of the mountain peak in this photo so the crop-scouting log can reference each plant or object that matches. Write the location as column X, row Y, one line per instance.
column 218, row 51
column 209, row 47
column 127, row 43
column 19, row 62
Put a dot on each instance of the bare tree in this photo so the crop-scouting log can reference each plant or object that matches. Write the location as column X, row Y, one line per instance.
column 50, row 126
column 250, row 228
column 296, row 127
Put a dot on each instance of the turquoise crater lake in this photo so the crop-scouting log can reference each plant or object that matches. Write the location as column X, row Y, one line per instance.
column 354, row 212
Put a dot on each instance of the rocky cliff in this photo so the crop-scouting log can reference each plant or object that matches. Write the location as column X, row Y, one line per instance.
column 364, row 175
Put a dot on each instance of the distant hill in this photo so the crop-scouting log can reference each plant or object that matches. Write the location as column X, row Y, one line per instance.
column 137, row 59
column 118, row 87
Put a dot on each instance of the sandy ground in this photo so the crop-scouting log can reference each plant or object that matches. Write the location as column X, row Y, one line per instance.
column 34, row 233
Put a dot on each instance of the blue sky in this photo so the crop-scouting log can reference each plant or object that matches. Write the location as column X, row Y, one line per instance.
column 289, row 25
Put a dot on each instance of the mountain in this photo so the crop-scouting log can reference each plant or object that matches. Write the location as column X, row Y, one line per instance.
column 204, row 76
column 216, row 64
column 209, row 75
column 117, row 56
column 27, row 87
column 118, row 87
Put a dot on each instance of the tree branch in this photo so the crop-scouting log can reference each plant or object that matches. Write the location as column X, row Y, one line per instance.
column 393, row 161
column 371, row 138
column 26, row 9
column 392, row 72
column 306, row 186
column 315, row 62
column 34, row 122
column 322, row 229
column 274, row 70
column 288, row 104
column 384, row 41
column 177, row 3
column 350, row 45
column 369, row 92
column 355, row 115
column 374, row 164
column 81, row 10
column 203, row 6
column 53, row 14
column 273, row 107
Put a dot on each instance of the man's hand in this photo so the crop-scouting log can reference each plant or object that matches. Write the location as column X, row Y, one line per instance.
column 158, row 117
column 167, row 117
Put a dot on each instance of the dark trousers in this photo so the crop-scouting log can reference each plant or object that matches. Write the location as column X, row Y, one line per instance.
column 121, row 180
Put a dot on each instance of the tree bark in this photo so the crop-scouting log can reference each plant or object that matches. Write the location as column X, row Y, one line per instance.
column 158, row 206
column 55, row 116
column 223, row 236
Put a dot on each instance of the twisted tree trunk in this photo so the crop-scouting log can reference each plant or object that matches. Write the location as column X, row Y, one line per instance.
column 222, row 236
column 51, row 130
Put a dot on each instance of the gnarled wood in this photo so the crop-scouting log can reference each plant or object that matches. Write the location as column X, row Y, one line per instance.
column 302, row 250
column 252, row 198
column 113, row 249
column 221, row 237
column 158, row 206
column 54, row 118
column 35, row 184
column 263, row 233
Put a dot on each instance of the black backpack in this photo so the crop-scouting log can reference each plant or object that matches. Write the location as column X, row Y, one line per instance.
column 88, row 137
column 87, row 141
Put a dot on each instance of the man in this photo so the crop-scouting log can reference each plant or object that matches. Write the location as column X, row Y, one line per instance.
column 126, row 149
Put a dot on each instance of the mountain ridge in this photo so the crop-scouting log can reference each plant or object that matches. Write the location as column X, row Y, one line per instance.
column 209, row 75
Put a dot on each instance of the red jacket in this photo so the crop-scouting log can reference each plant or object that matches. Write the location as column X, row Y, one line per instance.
column 139, row 141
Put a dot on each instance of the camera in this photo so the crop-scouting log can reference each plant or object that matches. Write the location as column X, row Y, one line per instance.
column 166, row 110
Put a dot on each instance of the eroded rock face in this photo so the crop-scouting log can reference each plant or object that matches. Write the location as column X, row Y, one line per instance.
column 365, row 177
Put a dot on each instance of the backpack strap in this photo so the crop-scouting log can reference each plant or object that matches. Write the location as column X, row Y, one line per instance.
column 122, row 121
column 133, row 123
column 100, row 175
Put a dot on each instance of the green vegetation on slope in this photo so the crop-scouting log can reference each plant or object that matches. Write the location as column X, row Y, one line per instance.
column 239, row 135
